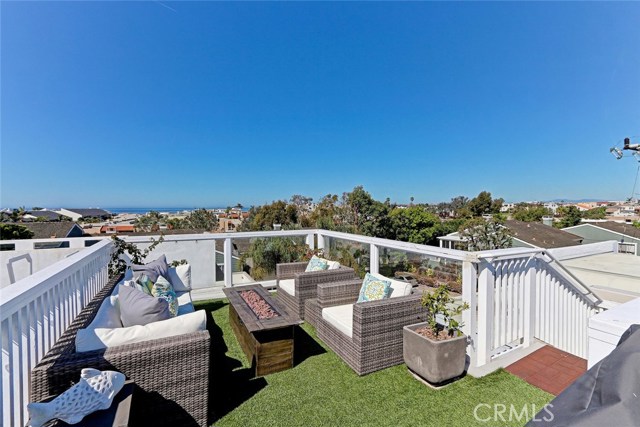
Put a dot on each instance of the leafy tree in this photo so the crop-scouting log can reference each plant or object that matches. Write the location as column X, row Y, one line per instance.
column 263, row 217
column 302, row 204
column 331, row 214
column 10, row 231
column 367, row 216
column 415, row 224
column 530, row 212
column 177, row 224
column 17, row 214
column 457, row 204
column 485, row 234
column 202, row 219
column 570, row 216
column 482, row 204
column 149, row 222
column 595, row 213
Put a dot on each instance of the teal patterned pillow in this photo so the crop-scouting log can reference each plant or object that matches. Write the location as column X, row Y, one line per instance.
column 317, row 264
column 163, row 289
column 144, row 284
column 374, row 289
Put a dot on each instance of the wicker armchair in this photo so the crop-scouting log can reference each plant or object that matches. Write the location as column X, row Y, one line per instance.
column 171, row 374
column 376, row 341
column 295, row 286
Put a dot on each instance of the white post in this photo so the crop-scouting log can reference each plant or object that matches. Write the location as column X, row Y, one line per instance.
column 470, row 317
column 310, row 241
column 374, row 259
column 215, row 263
column 320, row 242
column 530, row 302
column 486, row 282
column 228, row 263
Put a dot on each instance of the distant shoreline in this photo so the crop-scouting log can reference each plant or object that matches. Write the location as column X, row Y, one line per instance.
column 145, row 210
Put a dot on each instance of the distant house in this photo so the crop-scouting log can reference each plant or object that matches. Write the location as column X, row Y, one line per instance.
column 49, row 230
column 76, row 214
column 112, row 229
column 593, row 232
column 524, row 235
column 46, row 215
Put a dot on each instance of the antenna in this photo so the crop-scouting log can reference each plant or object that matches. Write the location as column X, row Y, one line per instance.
column 619, row 153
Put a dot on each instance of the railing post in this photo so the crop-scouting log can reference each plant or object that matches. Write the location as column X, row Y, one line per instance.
column 310, row 241
column 486, row 282
column 228, row 263
column 320, row 241
column 530, row 302
column 374, row 259
column 215, row 262
column 470, row 316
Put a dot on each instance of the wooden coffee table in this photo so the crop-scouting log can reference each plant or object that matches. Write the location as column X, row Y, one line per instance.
column 267, row 343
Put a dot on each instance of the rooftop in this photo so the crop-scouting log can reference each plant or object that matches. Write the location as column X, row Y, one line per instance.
column 542, row 235
column 612, row 276
column 321, row 390
column 46, row 230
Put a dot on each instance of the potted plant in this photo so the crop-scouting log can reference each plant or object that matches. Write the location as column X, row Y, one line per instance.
column 436, row 348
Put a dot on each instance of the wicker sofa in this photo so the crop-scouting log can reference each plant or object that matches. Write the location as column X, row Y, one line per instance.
column 295, row 286
column 376, row 341
column 171, row 374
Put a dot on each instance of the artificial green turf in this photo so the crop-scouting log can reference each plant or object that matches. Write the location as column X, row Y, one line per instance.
column 321, row 390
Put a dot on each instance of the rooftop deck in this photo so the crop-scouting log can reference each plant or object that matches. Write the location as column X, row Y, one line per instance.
column 518, row 297
column 322, row 390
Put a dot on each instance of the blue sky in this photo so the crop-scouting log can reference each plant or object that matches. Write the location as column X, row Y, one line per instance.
column 213, row 103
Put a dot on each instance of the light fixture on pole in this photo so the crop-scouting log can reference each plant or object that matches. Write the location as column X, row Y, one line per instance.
column 619, row 153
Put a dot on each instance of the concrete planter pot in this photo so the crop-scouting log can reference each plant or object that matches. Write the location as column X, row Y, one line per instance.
column 435, row 361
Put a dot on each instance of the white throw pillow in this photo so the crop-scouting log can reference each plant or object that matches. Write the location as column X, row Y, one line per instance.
column 333, row 265
column 180, row 278
column 398, row 288
column 108, row 315
column 100, row 338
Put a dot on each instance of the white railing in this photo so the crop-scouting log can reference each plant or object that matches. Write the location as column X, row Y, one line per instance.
column 526, row 294
column 35, row 311
column 628, row 248
column 199, row 249
column 562, row 311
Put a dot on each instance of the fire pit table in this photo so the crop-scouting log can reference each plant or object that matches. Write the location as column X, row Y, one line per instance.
column 264, row 328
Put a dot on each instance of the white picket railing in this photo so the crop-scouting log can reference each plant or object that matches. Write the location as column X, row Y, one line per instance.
column 35, row 311
column 526, row 294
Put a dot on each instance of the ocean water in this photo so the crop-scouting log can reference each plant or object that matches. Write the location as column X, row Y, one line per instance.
column 145, row 210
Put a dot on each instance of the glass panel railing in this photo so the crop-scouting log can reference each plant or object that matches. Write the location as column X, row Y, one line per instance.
column 255, row 259
column 348, row 253
column 420, row 269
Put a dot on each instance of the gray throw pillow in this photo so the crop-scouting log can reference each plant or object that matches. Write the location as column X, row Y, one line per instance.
column 138, row 308
column 153, row 269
